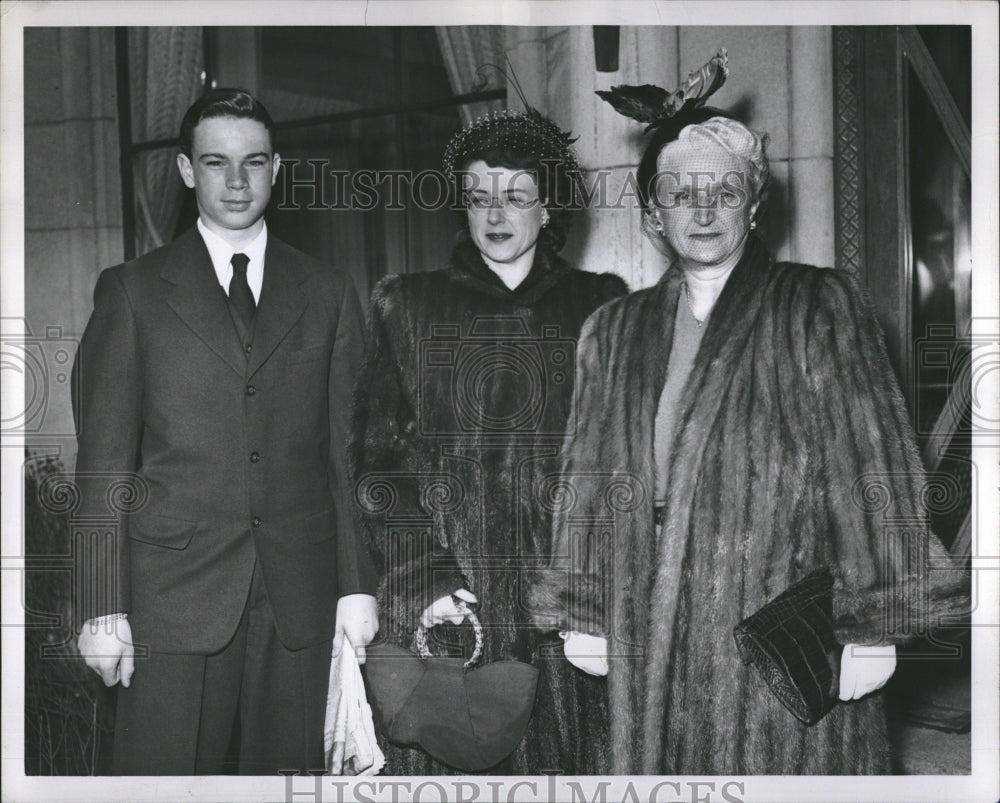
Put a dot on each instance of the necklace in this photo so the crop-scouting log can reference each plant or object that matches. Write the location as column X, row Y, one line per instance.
column 687, row 298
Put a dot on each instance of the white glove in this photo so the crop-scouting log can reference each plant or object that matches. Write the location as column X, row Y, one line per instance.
column 587, row 653
column 106, row 646
column 445, row 610
column 865, row 669
column 357, row 620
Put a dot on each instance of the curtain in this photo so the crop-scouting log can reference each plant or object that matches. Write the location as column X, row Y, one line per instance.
column 466, row 51
column 166, row 77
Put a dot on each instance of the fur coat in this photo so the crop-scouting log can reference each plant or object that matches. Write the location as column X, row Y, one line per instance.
column 792, row 451
column 461, row 408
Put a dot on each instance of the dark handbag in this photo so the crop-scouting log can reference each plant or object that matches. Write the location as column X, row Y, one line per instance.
column 470, row 719
column 790, row 642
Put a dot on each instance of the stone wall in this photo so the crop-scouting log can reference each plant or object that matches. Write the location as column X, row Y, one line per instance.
column 780, row 81
column 72, row 201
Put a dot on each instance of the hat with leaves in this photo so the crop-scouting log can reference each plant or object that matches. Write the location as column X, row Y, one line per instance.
column 656, row 106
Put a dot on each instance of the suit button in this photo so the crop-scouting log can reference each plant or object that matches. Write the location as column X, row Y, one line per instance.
column 256, row 521
column 251, row 390
column 249, row 348
column 254, row 457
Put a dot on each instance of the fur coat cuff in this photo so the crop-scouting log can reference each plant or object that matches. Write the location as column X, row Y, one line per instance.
column 563, row 600
column 907, row 610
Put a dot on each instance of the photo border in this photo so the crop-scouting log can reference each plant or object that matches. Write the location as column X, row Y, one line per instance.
column 982, row 784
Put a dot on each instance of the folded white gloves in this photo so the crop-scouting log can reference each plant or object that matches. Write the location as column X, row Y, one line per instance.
column 865, row 669
column 445, row 610
column 585, row 652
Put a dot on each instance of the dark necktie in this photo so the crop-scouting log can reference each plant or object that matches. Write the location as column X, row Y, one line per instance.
column 239, row 289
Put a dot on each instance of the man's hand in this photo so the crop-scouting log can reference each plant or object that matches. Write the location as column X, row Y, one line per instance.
column 106, row 647
column 357, row 618
column 445, row 610
column 865, row 669
column 587, row 653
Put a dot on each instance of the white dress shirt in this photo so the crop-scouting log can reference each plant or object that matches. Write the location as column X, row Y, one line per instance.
column 222, row 252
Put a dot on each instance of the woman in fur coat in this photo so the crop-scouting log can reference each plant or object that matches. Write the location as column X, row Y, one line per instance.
column 738, row 426
column 461, row 407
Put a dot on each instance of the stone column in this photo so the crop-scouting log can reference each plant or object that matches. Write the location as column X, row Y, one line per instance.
column 811, row 145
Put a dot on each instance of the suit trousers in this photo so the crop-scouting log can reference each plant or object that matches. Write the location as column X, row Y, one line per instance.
column 178, row 715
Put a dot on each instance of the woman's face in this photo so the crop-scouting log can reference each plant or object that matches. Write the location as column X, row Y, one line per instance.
column 505, row 213
column 704, row 203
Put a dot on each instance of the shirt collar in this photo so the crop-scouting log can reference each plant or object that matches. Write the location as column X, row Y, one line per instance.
column 222, row 252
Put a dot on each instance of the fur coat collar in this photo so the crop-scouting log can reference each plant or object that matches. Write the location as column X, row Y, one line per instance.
column 468, row 268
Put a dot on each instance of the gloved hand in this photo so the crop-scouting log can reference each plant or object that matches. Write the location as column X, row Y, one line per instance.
column 865, row 669
column 587, row 653
column 106, row 646
column 357, row 619
column 445, row 610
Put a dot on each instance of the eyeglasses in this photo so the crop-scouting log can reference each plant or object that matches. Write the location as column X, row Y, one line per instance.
column 515, row 202
column 681, row 198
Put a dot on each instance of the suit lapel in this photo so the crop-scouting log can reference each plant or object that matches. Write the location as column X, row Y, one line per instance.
column 283, row 299
column 199, row 301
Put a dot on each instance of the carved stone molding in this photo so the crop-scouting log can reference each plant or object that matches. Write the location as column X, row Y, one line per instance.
column 848, row 156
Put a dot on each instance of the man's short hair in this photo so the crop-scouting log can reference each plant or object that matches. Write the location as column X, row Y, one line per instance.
column 223, row 103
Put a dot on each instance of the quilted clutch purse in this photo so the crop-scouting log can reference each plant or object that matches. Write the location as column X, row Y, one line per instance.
column 790, row 643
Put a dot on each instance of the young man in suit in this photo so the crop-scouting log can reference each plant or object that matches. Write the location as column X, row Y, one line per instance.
column 215, row 377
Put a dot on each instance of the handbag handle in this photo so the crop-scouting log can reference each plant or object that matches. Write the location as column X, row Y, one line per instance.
column 420, row 637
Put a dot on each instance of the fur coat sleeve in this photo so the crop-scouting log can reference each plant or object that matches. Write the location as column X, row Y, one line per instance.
column 596, row 487
column 896, row 580
column 416, row 568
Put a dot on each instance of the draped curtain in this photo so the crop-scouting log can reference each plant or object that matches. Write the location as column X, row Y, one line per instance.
column 467, row 51
column 379, row 241
column 165, row 72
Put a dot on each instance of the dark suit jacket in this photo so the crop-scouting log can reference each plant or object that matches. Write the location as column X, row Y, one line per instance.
column 236, row 455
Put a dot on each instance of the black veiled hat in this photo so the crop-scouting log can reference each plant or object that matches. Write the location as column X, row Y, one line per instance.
column 527, row 132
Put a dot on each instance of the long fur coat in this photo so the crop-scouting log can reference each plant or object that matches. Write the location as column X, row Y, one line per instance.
column 461, row 408
column 792, row 451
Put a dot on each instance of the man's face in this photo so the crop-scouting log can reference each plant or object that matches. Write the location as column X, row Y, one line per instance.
column 231, row 170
